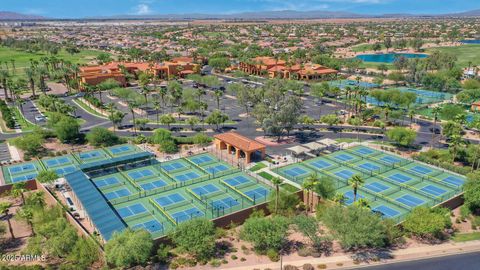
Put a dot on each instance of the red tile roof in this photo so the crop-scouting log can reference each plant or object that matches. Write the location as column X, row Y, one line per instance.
column 239, row 141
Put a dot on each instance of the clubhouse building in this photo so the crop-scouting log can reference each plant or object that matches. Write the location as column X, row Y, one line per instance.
column 276, row 68
column 177, row 67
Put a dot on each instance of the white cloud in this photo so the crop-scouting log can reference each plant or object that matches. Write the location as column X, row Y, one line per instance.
column 142, row 9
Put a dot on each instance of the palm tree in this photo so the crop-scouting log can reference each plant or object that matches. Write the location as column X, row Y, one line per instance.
column 132, row 105
column 26, row 214
column 218, row 95
column 4, row 76
column 435, row 112
column 277, row 181
column 30, row 73
column 411, row 114
column 339, row 198
column 363, row 203
column 18, row 189
column 309, row 184
column 355, row 182
column 455, row 141
column 157, row 107
column 4, row 210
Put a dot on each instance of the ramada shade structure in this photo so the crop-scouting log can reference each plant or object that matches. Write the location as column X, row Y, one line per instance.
column 239, row 143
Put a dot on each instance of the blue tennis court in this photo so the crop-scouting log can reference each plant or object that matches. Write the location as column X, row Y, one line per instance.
column 65, row 170
column 410, row 200
column 349, row 197
column 107, row 182
column 421, row 169
column 257, row 193
column 140, row 174
column 225, row 203
column 169, row 199
column 24, row 177
column 320, row 164
column 201, row 159
column 186, row 176
column 131, row 210
column 434, row 190
column 400, row 178
column 454, row 180
column 295, row 171
column 188, row 214
column 369, row 166
column 344, row 157
column 173, row 166
column 364, row 151
column 205, row 190
column 120, row 149
column 57, row 161
column 21, row 168
column 376, row 187
column 153, row 185
column 344, row 174
column 386, row 211
column 89, row 155
column 217, row 168
column 151, row 226
column 237, row 180
column 117, row 194
column 390, row 160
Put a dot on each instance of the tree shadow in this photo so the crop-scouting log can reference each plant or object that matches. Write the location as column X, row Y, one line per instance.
column 371, row 255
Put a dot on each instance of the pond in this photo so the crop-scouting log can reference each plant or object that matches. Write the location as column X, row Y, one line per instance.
column 388, row 57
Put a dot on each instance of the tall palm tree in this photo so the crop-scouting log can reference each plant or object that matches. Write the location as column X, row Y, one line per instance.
column 435, row 112
column 309, row 184
column 18, row 190
column 4, row 76
column 132, row 105
column 455, row 142
column 277, row 181
column 355, row 182
column 30, row 73
column 26, row 214
column 157, row 107
column 5, row 210
column 218, row 95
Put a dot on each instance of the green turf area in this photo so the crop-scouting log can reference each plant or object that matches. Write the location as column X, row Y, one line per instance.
column 465, row 54
column 289, row 188
column 464, row 237
column 22, row 58
column 364, row 47
column 258, row 166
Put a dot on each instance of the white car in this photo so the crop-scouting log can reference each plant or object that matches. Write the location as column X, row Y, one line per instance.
column 39, row 118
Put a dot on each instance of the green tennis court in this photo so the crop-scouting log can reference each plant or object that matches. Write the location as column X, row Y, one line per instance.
column 392, row 185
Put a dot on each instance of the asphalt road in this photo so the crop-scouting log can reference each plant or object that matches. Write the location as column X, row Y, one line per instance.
column 467, row 261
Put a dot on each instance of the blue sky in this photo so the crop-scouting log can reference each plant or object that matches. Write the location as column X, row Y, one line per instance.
column 86, row 8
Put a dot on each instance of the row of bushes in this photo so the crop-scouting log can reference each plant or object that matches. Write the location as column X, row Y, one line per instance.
column 7, row 114
column 94, row 101
column 443, row 164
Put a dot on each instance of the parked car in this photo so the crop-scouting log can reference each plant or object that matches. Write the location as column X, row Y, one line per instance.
column 39, row 118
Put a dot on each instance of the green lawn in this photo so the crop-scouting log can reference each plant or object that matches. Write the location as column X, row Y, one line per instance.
column 364, row 47
column 266, row 175
column 289, row 188
column 22, row 58
column 463, row 237
column 257, row 167
column 464, row 54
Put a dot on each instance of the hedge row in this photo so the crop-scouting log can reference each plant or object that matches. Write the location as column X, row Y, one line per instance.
column 444, row 165
column 7, row 114
column 94, row 101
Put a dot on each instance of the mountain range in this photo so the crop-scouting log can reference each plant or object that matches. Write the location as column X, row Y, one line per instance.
column 283, row 14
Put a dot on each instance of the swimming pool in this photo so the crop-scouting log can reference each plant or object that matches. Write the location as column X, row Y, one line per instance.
column 388, row 57
column 470, row 41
